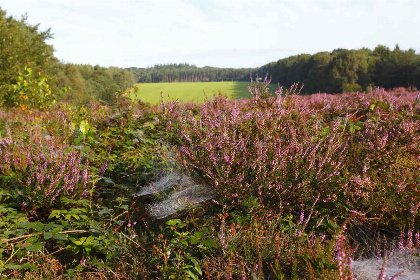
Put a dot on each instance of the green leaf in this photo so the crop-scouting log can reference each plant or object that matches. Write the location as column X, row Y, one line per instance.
column 209, row 242
column 198, row 234
column 13, row 266
column 70, row 272
column 196, row 266
column 173, row 222
column 124, row 206
column 57, row 229
column 192, row 275
column 55, row 214
column 195, row 240
column 59, row 236
column 75, row 216
column 89, row 240
column 78, row 241
column 29, row 266
column 49, row 226
column 84, row 127
column 35, row 247
column 37, row 226
column 48, row 235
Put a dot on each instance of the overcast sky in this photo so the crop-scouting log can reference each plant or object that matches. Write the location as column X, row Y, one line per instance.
column 223, row 33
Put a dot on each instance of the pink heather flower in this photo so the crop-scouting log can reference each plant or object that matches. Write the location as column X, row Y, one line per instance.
column 302, row 216
column 103, row 168
column 410, row 244
column 401, row 242
column 215, row 201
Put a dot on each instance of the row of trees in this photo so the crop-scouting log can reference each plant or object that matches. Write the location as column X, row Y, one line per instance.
column 348, row 70
column 169, row 73
column 332, row 72
column 87, row 83
column 29, row 70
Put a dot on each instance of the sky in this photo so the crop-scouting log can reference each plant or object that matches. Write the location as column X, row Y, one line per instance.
column 220, row 33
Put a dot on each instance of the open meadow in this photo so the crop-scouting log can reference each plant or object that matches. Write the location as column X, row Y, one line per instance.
column 191, row 91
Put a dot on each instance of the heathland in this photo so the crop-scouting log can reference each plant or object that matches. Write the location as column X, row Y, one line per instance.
column 298, row 186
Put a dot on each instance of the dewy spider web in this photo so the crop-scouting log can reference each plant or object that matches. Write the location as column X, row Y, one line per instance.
column 182, row 191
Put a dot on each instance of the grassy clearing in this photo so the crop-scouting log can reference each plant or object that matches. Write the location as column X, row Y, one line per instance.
column 150, row 92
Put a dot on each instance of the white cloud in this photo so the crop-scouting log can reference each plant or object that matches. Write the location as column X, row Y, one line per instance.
column 221, row 33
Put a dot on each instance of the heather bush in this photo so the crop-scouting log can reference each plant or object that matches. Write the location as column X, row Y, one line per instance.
column 358, row 154
column 275, row 248
column 42, row 169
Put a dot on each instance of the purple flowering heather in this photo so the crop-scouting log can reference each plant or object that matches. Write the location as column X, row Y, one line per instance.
column 50, row 168
column 289, row 149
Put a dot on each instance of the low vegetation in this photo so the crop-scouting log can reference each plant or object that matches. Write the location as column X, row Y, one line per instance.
column 299, row 180
column 303, row 185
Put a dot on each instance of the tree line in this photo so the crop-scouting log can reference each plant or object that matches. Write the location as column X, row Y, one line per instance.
column 88, row 83
column 338, row 71
column 345, row 70
column 183, row 72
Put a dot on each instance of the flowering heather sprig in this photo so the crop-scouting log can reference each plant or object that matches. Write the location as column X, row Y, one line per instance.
column 223, row 240
column 410, row 244
column 343, row 259
column 104, row 167
column 259, row 89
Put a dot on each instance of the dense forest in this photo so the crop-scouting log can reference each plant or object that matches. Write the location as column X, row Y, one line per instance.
column 183, row 72
column 348, row 70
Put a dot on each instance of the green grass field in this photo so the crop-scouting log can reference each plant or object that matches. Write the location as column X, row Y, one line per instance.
column 150, row 92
